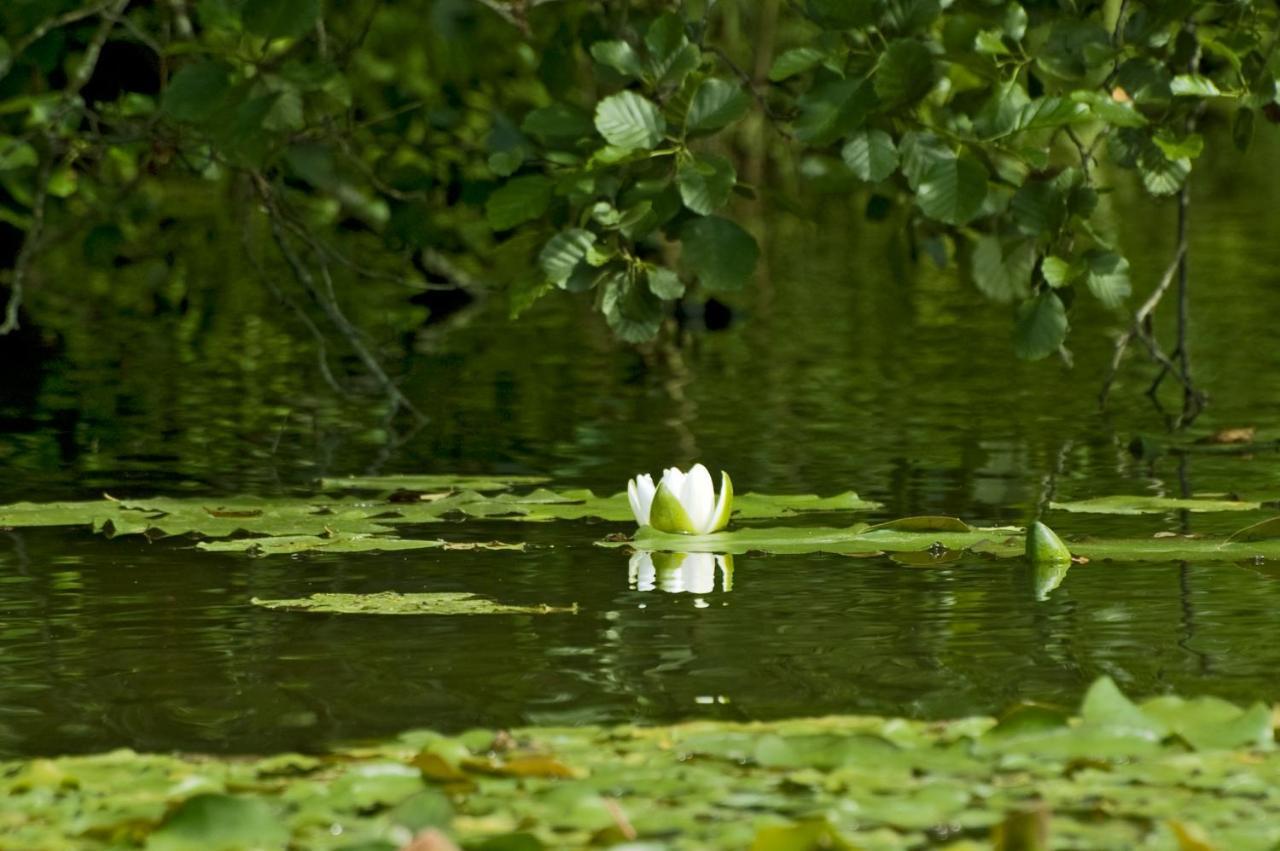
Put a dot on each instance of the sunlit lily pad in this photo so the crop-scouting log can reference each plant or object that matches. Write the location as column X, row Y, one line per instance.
column 391, row 603
column 1153, row 505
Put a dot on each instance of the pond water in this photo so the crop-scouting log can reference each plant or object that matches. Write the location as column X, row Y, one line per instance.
column 843, row 370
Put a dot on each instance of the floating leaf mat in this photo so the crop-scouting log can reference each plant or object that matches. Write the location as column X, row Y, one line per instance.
column 353, row 516
column 1117, row 777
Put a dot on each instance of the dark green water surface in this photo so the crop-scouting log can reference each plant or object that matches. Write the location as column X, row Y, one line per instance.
column 838, row 374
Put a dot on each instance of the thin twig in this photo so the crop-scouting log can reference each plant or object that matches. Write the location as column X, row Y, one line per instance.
column 57, row 22
column 111, row 13
column 1138, row 326
column 29, row 242
column 768, row 111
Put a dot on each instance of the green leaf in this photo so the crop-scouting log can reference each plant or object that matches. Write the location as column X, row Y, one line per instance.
column 671, row 56
column 843, row 14
column 1207, row 723
column 1076, row 50
column 1107, row 275
column 952, row 191
column 705, row 182
column 1059, row 272
column 335, row 543
column 905, row 73
column 1135, row 504
column 280, row 18
column 1039, row 208
column 196, row 93
column 427, row 483
column 17, row 153
column 716, row 103
column 1194, row 85
column 220, row 823
column 1105, row 707
column 795, row 61
column 517, row 201
column 871, row 155
column 1186, row 147
column 620, row 56
column 719, row 252
column 919, row 153
column 1041, row 326
column 1160, row 175
column 1104, row 107
column 633, row 312
column 391, row 603
column 629, row 121
column 832, row 109
column 664, row 283
column 558, row 123
column 1003, row 273
column 562, row 253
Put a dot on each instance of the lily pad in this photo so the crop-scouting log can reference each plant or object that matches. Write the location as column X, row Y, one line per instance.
column 427, row 483
column 1117, row 776
column 1153, row 505
column 339, row 543
column 1000, row 542
column 340, row 521
column 391, row 603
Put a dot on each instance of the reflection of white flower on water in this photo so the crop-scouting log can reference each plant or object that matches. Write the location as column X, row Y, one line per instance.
column 677, row 573
column 681, row 502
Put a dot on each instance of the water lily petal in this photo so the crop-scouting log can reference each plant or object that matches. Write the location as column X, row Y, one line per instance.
column 724, row 507
column 667, row 514
column 698, row 496
column 634, row 499
column 674, row 480
column 640, row 495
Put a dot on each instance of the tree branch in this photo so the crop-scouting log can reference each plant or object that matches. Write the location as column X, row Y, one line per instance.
column 23, row 263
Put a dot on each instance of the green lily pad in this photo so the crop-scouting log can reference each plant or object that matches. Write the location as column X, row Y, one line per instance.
column 34, row 514
column 1000, row 542
column 343, row 525
column 427, row 484
column 220, row 823
column 1119, row 775
column 855, row 539
column 167, row 516
column 1153, row 505
column 391, row 603
column 339, row 543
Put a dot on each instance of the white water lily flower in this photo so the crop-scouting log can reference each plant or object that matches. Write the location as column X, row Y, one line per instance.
column 681, row 502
